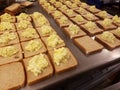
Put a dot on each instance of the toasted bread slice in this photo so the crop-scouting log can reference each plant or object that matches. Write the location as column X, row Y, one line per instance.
column 16, row 57
column 31, row 78
column 108, row 45
column 115, row 33
column 88, row 45
column 12, row 76
column 64, row 66
column 28, row 53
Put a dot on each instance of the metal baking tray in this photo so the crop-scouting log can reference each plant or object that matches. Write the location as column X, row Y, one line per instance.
column 86, row 63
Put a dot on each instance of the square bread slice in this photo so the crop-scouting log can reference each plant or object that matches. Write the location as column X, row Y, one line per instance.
column 29, row 53
column 92, row 32
column 108, row 45
column 79, row 34
column 63, row 24
column 69, row 15
column 110, row 27
column 31, row 78
column 90, row 18
column 101, row 17
column 22, row 39
column 10, row 42
column 16, row 57
column 82, row 12
column 88, row 45
column 93, row 11
column 44, row 39
column 12, row 76
column 67, row 65
column 78, row 22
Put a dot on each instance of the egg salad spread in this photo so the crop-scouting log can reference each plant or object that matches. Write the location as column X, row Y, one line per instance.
column 5, row 26
column 37, row 64
column 46, row 29
column 23, row 24
column 63, row 20
column 74, row 29
column 107, row 22
column 103, row 14
column 57, row 14
column 7, row 37
column 7, row 17
column 90, row 25
column 22, row 16
column 53, row 40
column 33, row 45
column 79, row 18
column 8, row 51
column 60, row 55
column 118, row 31
column 29, row 33
column 108, row 36
column 116, row 19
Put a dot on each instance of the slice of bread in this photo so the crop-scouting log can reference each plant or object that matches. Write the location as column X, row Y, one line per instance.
column 51, row 48
column 13, row 9
column 22, row 39
column 108, row 45
column 16, row 57
column 88, row 45
column 92, row 32
column 110, row 27
column 28, row 53
column 79, row 34
column 115, row 33
column 12, row 76
column 78, row 22
column 31, row 78
column 69, row 64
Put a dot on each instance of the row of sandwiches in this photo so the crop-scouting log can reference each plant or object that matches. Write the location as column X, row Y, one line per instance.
column 30, row 51
column 91, row 29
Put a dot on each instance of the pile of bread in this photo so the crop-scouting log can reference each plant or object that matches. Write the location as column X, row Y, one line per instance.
column 90, row 29
column 30, row 51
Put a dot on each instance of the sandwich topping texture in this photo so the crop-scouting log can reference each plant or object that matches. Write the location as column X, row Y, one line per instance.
column 7, row 37
column 46, row 29
column 63, row 20
column 53, row 40
column 107, row 22
column 60, row 55
column 74, row 29
column 108, row 36
column 33, row 45
column 79, row 18
column 23, row 24
column 4, row 26
column 29, row 33
column 103, row 14
column 6, row 17
column 8, row 51
column 22, row 16
column 90, row 25
column 37, row 64
column 116, row 19
column 118, row 31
